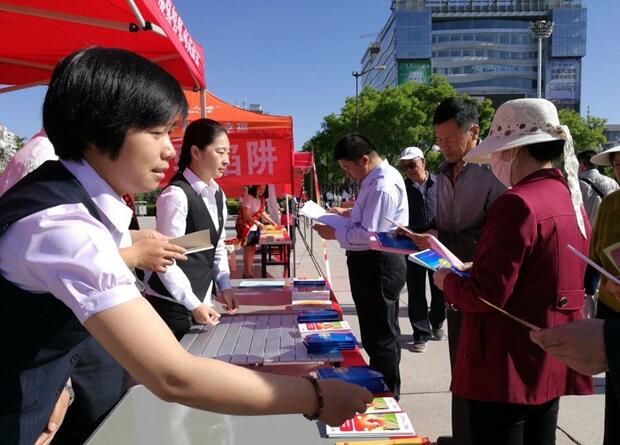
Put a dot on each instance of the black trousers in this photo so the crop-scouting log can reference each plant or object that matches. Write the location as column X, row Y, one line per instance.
column 612, row 404
column 423, row 321
column 99, row 383
column 175, row 315
column 511, row 424
column 376, row 280
column 460, row 407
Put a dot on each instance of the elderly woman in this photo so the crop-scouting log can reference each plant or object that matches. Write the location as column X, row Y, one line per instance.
column 521, row 265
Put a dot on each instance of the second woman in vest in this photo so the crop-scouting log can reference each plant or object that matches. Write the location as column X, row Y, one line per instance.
column 192, row 202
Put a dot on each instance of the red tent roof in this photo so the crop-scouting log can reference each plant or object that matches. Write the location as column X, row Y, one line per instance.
column 36, row 34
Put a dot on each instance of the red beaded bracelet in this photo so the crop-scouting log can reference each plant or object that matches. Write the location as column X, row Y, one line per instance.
column 319, row 398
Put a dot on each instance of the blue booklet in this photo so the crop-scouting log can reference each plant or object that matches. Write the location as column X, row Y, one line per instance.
column 432, row 260
column 326, row 342
column 365, row 376
column 318, row 315
column 386, row 242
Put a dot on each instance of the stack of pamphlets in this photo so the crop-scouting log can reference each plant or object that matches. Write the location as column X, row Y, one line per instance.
column 311, row 297
column 319, row 281
column 327, row 342
column 262, row 283
column 365, row 376
column 318, row 315
column 329, row 326
column 374, row 425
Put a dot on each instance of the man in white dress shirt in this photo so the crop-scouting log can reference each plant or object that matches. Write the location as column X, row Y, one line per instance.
column 376, row 278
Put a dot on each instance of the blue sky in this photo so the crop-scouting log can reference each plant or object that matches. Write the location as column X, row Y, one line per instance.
column 296, row 57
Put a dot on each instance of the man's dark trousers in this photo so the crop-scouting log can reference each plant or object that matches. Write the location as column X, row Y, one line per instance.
column 423, row 321
column 376, row 279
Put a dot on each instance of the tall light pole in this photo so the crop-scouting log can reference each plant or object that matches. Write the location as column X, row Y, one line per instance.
column 541, row 29
column 357, row 75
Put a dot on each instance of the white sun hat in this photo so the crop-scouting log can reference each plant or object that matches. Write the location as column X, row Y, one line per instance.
column 522, row 122
column 411, row 153
column 603, row 158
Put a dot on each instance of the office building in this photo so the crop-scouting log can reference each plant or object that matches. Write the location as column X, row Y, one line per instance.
column 483, row 47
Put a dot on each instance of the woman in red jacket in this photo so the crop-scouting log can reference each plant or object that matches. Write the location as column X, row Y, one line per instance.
column 523, row 266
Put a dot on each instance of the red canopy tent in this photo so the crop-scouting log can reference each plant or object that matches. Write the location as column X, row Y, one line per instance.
column 261, row 145
column 36, row 34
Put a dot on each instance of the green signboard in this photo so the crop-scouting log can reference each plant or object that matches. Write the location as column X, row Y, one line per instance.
column 414, row 70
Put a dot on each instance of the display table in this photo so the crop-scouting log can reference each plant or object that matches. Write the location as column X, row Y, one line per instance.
column 275, row 250
column 141, row 418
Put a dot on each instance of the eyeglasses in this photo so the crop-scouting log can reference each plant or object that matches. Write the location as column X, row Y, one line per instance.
column 409, row 165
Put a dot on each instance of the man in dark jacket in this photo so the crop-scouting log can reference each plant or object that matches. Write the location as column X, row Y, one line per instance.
column 422, row 197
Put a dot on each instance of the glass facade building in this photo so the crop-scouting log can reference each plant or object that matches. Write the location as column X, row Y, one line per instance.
column 483, row 47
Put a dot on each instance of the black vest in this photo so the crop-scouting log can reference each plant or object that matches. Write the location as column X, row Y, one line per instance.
column 40, row 338
column 199, row 266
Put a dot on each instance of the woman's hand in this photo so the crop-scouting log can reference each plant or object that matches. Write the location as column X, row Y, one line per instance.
column 439, row 277
column 230, row 301
column 342, row 401
column 339, row 211
column 139, row 235
column 56, row 418
column 205, row 314
column 153, row 254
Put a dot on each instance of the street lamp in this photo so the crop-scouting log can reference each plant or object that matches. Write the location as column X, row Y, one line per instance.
column 541, row 29
column 357, row 75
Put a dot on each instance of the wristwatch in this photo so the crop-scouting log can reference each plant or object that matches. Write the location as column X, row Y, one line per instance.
column 71, row 393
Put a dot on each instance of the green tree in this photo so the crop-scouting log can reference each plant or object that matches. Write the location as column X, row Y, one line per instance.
column 587, row 132
column 392, row 119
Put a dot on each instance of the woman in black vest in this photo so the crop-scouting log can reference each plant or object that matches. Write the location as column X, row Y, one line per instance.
column 62, row 278
column 193, row 201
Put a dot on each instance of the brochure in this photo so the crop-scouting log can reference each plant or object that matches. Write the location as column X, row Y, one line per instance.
column 386, row 242
column 312, row 328
column 383, row 405
column 613, row 253
column 312, row 210
column 433, row 260
column 262, row 283
column 374, row 425
column 194, row 242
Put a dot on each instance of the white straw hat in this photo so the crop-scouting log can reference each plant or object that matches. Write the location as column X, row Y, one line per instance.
column 603, row 158
column 516, row 123
column 522, row 122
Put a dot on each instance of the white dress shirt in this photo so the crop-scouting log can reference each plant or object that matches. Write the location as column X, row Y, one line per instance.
column 28, row 158
column 382, row 193
column 64, row 250
column 172, row 208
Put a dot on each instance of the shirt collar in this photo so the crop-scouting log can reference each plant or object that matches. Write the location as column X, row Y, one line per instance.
column 106, row 199
column 374, row 173
column 199, row 186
